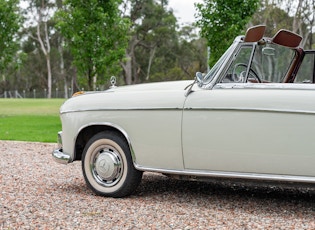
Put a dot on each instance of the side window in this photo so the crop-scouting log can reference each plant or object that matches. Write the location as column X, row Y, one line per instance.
column 237, row 70
column 306, row 70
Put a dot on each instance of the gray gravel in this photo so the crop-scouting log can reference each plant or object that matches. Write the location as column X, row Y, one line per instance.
column 37, row 193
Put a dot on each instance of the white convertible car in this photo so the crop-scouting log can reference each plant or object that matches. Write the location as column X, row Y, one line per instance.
column 251, row 117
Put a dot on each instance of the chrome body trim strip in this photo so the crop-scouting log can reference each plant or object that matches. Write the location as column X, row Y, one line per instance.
column 207, row 109
column 117, row 109
column 231, row 175
column 271, row 86
column 252, row 110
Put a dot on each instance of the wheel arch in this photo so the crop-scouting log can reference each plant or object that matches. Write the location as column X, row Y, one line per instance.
column 88, row 131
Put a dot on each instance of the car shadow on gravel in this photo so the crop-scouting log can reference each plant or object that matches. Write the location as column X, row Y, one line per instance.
column 159, row 185
column 221, row 194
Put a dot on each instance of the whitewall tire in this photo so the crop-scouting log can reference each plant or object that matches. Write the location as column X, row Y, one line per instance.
column 107, row 166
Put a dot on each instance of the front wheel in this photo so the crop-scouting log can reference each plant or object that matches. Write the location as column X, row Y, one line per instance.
column 107, row 166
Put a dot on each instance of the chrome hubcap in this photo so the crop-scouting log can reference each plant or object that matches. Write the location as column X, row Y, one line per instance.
column 107, row 166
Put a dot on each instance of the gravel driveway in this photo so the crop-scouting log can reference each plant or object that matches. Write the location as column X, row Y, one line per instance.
column 37, row 193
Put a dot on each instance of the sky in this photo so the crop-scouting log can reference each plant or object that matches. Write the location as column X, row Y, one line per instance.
column 184, row 10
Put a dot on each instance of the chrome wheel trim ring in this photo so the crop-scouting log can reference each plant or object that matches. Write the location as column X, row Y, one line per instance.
column 106, row 165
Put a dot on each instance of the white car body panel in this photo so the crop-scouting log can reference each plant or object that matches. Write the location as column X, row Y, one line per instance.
column 266, row 130
column 234, row 121
column 153, row 126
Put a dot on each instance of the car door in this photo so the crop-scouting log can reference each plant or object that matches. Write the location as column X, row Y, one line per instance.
column 250, row 128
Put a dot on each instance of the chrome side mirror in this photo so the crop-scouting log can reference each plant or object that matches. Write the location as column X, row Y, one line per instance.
column 199, row 78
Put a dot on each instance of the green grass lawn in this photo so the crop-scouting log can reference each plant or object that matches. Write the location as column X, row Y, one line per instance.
column 30, row 119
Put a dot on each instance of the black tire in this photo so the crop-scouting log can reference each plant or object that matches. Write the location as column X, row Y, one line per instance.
column 107, row 166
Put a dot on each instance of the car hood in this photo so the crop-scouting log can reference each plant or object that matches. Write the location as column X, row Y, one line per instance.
column 162, row 95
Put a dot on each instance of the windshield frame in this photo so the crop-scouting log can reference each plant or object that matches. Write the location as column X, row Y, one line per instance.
column 218, row 71
column 215, row 71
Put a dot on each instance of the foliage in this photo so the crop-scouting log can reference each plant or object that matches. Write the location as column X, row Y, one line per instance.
column 9, row 26
column 222, row 20
column 153, row 29
column 141, row 38
column 295, row 15
column 158, row 50
column 273, row 17
column 96, row 36
column 161, row 51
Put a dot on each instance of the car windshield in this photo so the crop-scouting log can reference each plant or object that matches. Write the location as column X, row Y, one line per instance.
column 268, row 63
column 271, row 62
column 213, row 71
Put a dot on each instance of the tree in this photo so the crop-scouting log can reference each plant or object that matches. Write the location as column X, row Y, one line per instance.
column 272, row 16
column 43, row 10
column 153, row 29
column 9, row 26
column 182, row 60
column 96, row 36
column 222, row 20
column 295, row 15
column 303, row 19
column 61, row 52
column 192, row 51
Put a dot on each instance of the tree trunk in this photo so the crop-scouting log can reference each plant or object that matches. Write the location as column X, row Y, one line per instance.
column 127, row 69
column 130, row 65
column 62, row 67
column 152, row 53
column 45, row 47
column 49, row 76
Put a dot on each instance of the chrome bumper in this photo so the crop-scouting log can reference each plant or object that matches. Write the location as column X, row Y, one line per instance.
column 58, row 154
column 60, row 157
